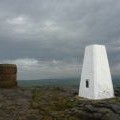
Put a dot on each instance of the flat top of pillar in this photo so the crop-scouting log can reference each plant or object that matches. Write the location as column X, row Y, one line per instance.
column 96, row 45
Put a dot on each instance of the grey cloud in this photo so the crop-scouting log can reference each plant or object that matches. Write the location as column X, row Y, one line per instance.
column 48, row 30
column 36, row 69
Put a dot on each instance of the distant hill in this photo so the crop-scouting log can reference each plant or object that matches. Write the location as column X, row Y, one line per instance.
column 70, row 82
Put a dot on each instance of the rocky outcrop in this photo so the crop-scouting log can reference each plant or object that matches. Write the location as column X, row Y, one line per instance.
column 54, row 103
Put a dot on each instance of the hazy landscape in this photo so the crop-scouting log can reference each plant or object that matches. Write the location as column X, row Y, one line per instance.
column 69, row 82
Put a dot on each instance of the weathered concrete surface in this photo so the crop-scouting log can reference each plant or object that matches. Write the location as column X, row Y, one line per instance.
column 97, row 72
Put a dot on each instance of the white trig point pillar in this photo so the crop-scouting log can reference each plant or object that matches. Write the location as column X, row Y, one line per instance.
column 96, row 81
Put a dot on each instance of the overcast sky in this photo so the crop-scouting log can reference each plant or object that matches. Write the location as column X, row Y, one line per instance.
column 46, row 38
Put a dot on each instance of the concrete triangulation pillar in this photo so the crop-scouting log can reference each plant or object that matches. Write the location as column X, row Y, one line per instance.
column 96, row 81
